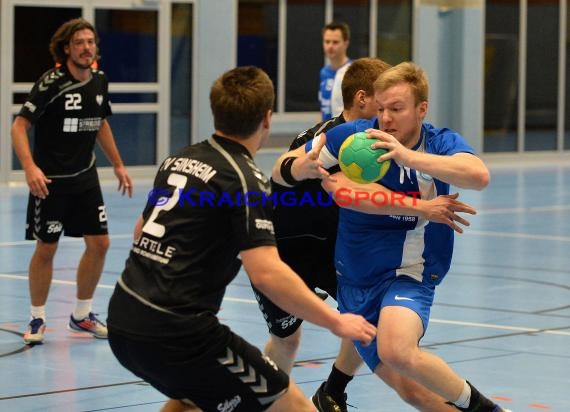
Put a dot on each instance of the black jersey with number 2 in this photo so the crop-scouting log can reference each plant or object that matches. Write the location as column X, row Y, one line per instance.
column 206, row 206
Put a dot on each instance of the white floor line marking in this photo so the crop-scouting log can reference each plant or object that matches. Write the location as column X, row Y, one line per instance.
column 483, row 233
column 535, row 209
column 502, row 327
column 517, row 235
column 254, row 302
column 62, row 240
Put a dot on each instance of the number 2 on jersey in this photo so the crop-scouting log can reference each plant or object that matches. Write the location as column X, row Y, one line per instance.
column 156, row 229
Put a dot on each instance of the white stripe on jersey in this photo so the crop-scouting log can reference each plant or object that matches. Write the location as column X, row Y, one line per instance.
column 412, row 251
column 142, row 300
column 91, row 164
column 414, row 245
column 324, row 125
column 233, row 163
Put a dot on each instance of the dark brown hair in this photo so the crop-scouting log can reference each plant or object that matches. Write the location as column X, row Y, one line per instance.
column 239, row 100
column 337, row 25
column 361, row 75
column 62, row 37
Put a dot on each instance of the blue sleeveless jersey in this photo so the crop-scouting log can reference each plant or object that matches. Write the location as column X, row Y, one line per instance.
column 371, row 248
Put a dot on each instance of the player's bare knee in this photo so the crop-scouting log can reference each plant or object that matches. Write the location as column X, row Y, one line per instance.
column 97, row 245
column 45, row 251
column 290, row 342
column 396, row 357
column 412, row 395
column 292, row 400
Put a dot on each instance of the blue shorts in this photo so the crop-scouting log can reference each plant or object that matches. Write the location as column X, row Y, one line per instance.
column 394, row 291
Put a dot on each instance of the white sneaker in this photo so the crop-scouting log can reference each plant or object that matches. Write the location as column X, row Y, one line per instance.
column 35, row 332
column 89, row 324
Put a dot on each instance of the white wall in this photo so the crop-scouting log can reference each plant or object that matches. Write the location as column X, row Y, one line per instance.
column 448, row 44
column 216, row 52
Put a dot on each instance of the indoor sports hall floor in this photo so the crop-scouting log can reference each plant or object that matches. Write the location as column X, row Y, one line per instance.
column 501, row 317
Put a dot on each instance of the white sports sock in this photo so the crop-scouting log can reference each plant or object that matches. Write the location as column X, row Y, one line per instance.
column 38, row 312
column 82, row 308
column 465, row 397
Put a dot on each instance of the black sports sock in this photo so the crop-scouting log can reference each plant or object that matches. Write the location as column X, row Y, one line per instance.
column 336, row 384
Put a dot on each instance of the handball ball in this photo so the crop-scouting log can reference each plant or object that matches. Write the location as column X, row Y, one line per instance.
column 358, row 162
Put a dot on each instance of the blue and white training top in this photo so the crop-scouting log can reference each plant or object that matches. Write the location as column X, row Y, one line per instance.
column 327, row 77
column 370, row 247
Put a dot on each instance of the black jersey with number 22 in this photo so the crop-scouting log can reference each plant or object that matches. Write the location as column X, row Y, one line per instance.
column 67, row 115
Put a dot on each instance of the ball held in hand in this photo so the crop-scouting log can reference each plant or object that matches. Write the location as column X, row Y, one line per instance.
column 358, row 161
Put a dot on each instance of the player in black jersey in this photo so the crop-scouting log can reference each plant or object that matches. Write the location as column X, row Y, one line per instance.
column 306, row 239
column 162, row 315
column 68, row 107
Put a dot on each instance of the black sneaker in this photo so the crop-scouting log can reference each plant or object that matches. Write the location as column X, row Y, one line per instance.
column 496, row 408
column 325, row 403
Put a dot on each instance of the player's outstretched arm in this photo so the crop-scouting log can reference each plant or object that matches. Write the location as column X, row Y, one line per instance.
column 280, row 284
column 296, row 165
column 374, row 198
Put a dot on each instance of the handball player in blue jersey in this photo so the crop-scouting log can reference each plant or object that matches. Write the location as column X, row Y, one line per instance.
column 389, row 265
column 312, row 229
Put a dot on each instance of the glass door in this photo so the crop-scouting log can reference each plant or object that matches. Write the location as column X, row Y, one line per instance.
column 129, row 55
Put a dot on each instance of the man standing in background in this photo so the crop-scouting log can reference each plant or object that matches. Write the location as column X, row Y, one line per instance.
column 67, row 107
column 336, row 38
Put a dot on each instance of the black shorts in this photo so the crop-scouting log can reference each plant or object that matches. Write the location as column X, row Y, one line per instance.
column 76, row 214
column 313, row 260
column 214, row 368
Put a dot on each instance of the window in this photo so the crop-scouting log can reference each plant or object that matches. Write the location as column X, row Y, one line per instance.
column 501, row 76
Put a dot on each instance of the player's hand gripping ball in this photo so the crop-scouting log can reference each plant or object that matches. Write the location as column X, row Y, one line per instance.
column 358, row 162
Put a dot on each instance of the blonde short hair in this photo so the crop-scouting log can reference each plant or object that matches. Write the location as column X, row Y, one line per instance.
column 405, row 72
